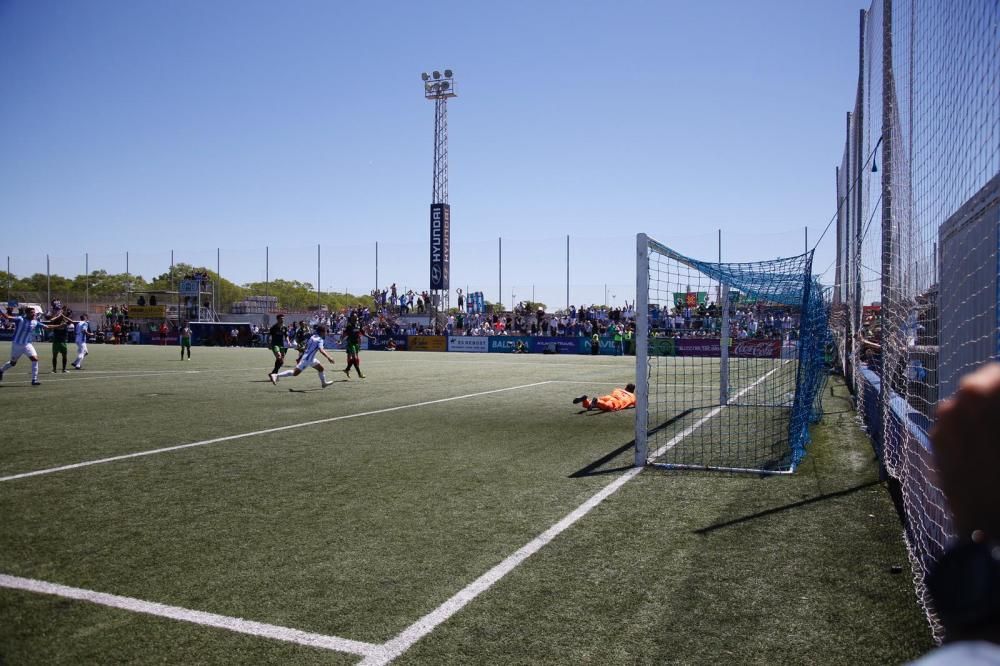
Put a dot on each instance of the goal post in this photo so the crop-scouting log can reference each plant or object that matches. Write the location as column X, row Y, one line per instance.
column 641, row 348
column 729, row 361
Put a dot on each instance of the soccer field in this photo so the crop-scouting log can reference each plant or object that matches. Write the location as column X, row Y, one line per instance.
column 450, row 508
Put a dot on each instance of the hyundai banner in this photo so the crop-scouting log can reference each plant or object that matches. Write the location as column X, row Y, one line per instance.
column 440, row 245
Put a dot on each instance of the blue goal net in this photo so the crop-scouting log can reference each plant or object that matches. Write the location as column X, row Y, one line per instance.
column 731, row 361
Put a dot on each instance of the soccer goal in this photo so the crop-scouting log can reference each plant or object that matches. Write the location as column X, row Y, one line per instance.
column 729, row 361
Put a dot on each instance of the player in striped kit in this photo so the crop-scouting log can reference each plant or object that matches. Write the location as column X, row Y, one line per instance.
column 314, row 345
column 23, row 334
column 82, row 329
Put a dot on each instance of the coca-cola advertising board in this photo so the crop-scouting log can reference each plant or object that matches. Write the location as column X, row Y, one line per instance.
column 738, row 349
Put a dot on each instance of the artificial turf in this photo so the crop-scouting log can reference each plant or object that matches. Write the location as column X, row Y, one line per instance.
column 404, row 488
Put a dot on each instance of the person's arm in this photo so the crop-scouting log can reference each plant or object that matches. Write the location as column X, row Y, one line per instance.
column 967, row 449
column 322, row 351
column 965, row 581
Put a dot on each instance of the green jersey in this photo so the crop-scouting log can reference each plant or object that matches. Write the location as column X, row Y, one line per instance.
column 278, row 333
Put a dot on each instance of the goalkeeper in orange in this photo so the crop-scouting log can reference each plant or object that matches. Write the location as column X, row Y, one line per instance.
column 620, row 398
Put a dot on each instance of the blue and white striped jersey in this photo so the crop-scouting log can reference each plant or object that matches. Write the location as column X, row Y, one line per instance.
column 25, row 330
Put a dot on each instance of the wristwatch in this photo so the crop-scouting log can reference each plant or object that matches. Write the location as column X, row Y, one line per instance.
column 965, row 585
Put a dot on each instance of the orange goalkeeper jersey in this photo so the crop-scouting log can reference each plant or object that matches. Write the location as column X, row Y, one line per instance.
column 618, row 400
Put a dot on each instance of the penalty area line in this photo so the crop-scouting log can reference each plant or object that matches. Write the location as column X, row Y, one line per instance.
column 267, row 431
column 239, row 625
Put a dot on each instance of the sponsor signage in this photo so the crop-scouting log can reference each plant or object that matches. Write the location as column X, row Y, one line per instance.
column 606, row 345
column 698, row 347
column 468, row 343
column 437, row 343
column 440, row 245
column 553, row 345
column 147, row 311
column 663, row 347
column 756, row 349
column 507, row 343
column 710, row 347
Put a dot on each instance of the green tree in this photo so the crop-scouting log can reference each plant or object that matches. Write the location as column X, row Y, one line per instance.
column 113, row 286
column 291, row 294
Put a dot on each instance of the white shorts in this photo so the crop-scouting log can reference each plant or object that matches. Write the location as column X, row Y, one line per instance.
column 81, row 348
column 303, row 364
column 17, row 351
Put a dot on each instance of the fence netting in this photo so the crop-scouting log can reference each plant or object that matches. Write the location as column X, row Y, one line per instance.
column 915, row 302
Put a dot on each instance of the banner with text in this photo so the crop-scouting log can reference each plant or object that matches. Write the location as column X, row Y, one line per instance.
column 436, row 343
column 507, row 343
column 710, row 347
column 552, row 345
column 440, row 245
column 468, row 343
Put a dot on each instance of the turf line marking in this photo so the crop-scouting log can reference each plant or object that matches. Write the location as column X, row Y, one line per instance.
column 236, row 624
column 267, row 431
column 425, row 625
column 52, row 381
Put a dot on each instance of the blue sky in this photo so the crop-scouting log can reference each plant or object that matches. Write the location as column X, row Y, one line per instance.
column 146, row 126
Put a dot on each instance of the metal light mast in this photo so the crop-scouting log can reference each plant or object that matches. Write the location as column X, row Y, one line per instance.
column 439, row 88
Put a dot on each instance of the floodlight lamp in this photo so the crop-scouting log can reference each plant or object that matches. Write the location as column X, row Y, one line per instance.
column 427, row 87
column 425, row 76
column 437, row 74
column 444, row 85
column 448, row 73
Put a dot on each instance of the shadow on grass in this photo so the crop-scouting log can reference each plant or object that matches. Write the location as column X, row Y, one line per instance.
column 787, row 507
column 594, row 468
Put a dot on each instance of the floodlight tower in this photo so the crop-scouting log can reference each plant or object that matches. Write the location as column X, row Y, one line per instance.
column 439, row 88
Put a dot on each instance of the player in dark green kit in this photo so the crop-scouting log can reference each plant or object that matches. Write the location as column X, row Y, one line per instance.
column 279, row 344
column 352, row 343
column 59, row 336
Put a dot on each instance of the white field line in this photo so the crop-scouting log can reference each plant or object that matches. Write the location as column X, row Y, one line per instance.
column 425, row 625
column 196, row 617
column 78, row 378
column 129, row 372
column 255, row 433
